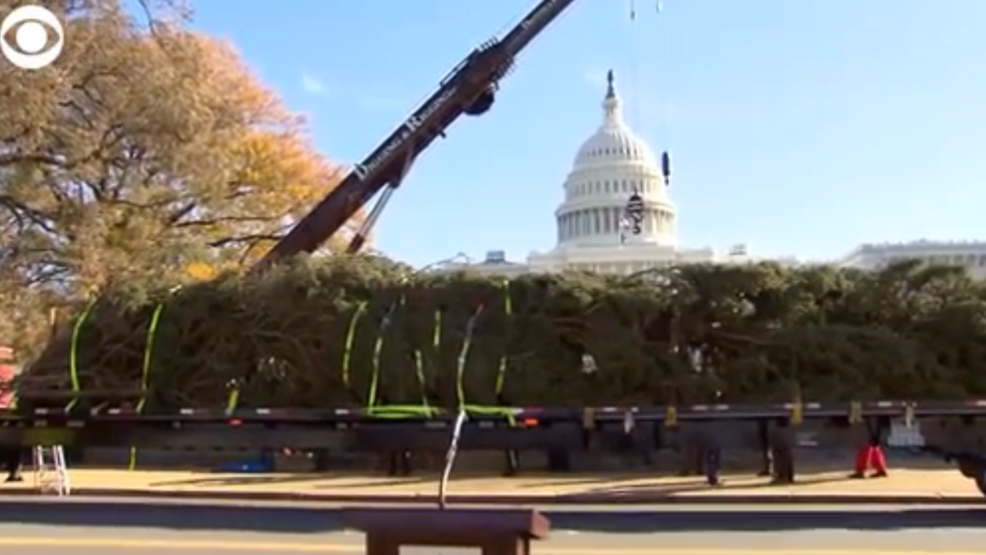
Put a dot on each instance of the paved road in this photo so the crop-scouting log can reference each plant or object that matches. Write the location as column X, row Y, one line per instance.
column 112, row 527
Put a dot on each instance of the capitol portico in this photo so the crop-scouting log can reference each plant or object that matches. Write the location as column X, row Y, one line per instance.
column 591, row 233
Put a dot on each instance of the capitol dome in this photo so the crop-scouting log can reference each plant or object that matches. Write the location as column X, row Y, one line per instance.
column 610, row 166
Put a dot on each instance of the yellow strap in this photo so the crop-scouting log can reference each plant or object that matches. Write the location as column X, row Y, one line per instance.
column 145, row 377
column 505, row 412
column 909, row 416
column 855, row 412
column 671, row 416
column 233, row 401
column 73, row 356
column 797, row 414
column 347, row 352
column 507, row 311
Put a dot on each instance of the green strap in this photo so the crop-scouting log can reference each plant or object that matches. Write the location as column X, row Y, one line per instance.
column 505, row 412
column 377, row 350
column 145, row 376
column 436, row 339
column 73, row 357
column 464, row 355
column 419, row 368
column 347, row 353
column 436, row 343
column 425, row 410
column 508, row 311
column 396, row 412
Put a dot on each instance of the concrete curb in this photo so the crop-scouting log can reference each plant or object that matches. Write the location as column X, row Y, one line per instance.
column 553, row 500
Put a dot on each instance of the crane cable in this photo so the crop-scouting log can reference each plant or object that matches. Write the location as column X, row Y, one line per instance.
column 633, row 213
column 632, row 86
column 635, row 86
column 666, row 103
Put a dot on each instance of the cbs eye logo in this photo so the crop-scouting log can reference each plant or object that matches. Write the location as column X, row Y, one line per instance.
column 31, row 37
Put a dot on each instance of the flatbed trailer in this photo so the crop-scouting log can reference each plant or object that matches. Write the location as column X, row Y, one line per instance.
column 506, row 429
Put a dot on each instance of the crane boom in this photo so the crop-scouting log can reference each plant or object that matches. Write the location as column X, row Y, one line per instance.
column 468, row 89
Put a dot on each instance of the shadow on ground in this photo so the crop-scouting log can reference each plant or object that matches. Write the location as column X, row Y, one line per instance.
column 261, row 479
column 768, row 520
column 650, row 491
column 310, row 520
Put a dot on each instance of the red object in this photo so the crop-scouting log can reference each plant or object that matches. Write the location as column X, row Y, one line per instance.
column 870, row 457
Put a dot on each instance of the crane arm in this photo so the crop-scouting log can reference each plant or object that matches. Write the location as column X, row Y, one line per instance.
column 468, row 89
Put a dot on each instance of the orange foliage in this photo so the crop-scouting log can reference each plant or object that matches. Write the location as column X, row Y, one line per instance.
column 149, row 154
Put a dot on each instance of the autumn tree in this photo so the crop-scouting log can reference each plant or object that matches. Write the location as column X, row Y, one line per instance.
column 144, row 151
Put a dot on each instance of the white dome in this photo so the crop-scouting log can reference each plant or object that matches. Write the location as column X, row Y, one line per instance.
column 610, row 166
column 614, row 142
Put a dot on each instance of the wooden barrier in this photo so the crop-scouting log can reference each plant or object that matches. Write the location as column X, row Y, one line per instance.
column 494, row 531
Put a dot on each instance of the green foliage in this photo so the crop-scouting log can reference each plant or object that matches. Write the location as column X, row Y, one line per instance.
column 360, row 331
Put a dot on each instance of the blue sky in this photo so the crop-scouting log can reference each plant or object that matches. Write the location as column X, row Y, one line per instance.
column 799, row 127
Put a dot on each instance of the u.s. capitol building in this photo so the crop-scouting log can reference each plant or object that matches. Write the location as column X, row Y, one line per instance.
column 592, row 234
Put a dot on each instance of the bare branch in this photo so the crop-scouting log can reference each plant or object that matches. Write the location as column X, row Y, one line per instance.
column 245, row 240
